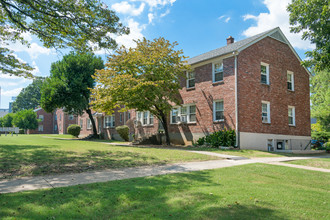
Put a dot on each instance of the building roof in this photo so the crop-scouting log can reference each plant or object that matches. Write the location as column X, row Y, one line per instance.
column 275, row 33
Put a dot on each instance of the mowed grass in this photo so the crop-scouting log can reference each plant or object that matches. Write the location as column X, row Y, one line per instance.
column 254, row 191
column 317, row 162
column 250, row 153
column 31, row 155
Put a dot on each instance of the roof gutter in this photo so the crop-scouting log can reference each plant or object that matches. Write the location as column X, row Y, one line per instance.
column 236, row 101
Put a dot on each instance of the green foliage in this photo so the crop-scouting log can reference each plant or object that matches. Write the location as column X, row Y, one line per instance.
column 7, row 120
column 145, row 78
column 26, row 119
column 224, row 137
column 21, row 131
column 320, row 97
column 69, row 84
column 1, row 122
column 321, row 136
column 29, row 97
column 81, row 25
column 74, row 130
column 123, row 131
column 312, row 18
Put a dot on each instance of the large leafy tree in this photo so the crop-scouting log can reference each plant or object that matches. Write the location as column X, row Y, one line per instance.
column 29, row 97
column 78, row 24
column 7, row 120
column 69, row 84
column 312, row 17
column 26, row 119
column 145, row 78
column 320, row 96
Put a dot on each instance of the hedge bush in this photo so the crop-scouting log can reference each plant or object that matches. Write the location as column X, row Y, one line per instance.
column 226, row 138
column 74, row 130
column 123, row 131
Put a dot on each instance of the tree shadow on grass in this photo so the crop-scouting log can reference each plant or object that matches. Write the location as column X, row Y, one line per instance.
column 27, row 160
column 163, row 197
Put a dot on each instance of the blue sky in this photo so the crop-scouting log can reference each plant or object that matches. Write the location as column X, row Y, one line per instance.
column 198, row 26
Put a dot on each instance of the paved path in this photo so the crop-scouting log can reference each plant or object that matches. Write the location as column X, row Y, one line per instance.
column 301, row 167
column 41, row 182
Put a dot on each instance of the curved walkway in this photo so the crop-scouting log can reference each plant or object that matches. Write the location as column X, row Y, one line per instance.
column 41, row 182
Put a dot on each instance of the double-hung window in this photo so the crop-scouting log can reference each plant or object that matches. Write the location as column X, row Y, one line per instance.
column 109, row 121
column 41, row 117
column 190, row 79
column 146, row 118
column 265, row 112
column 217, row 72
column 81, row 123
column 185, row 113
column 291, row 114
column 290, row 80
column 264, row 67
column 89, row 123
column 218, row 110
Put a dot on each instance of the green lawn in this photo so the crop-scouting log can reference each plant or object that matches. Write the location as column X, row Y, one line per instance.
column 255, row 191
column 29, row 155
column 318, row 162
column 249, row 153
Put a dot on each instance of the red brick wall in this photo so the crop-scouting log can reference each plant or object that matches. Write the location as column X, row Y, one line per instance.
column 47, row 123
column 251, row 92
column 63, row 121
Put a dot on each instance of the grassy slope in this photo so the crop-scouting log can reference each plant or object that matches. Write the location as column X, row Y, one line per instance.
column 319, row 162
column 26, row 155
column 255, row 191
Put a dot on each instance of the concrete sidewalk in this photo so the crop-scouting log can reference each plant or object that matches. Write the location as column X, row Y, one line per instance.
column 41, row 182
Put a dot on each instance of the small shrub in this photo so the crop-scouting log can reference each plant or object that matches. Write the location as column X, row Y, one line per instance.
column 74, row 130
column 219, row 138
column 21, row 131
column 123, row 131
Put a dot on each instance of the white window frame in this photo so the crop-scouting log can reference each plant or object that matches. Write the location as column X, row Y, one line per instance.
column 40, row 128
column 88, row 124
column 293, row 115
column 149, row 119
column 120, row 117
column 215, row 111
column 109, row 121
column 268, row 112
column 41, row 117
column 267, row 72
column 188, row 79
column 214, row 71
column 183, row 116
column 81, row 123
column 290, row 73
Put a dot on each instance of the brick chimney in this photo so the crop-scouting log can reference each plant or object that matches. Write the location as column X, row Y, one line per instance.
column 230, row 40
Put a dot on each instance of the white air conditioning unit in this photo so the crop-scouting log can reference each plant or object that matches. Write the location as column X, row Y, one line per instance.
column 264, row 119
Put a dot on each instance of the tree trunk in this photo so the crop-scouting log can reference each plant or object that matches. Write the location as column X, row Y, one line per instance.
column 89, row 112
column 164, row 123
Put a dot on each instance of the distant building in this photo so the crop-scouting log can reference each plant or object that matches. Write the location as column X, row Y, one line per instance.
column 13, row 98
column 3, row 112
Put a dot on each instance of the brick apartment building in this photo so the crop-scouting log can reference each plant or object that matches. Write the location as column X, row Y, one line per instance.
column 56, row 122
column 255, row 86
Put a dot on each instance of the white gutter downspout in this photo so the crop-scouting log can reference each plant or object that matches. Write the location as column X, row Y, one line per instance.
column 236, row 102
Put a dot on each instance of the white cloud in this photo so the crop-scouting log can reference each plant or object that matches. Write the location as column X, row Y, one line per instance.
column 150, row 17
column 126, row 8
column 34, row 50
column 36, row 68
column 165, row 13
column 225, row 17
column 135, row 34
column 277, row 17
column 9, row 93
column 156, row 3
